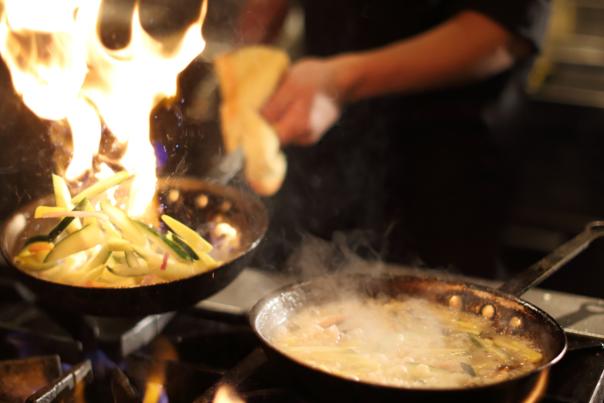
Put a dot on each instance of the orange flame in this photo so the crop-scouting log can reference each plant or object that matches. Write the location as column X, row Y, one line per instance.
column 62, row 71
column 162, row 351
column 226, row 394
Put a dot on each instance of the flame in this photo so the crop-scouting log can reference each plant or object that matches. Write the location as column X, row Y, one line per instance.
column 536, row 394
column 63, row 72
column 162, row 351
column 226, row 394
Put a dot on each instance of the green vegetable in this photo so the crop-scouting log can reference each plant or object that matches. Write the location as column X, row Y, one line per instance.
column 78, row 241
column 99, row 259
column 110, row 249
column 167, row 244
column 64, row 223
column 176, row 239
column 190, row 237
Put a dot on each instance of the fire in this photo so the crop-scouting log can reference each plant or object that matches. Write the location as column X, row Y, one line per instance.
column 63, row 72
column 226, row 394
column 163, row 351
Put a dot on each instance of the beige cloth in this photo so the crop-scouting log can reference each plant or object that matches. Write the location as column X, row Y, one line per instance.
column 247, row 78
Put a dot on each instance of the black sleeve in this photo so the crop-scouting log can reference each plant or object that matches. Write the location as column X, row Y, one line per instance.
column 525, row 18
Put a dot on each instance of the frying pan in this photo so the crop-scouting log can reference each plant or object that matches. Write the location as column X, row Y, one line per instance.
column 200, row 204
column 509, row 313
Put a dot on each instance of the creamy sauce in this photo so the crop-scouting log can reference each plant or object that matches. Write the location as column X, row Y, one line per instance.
column 406, row 343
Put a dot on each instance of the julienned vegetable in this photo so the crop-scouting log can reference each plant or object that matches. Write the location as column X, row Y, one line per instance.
column 97, row 244
column 404, row 341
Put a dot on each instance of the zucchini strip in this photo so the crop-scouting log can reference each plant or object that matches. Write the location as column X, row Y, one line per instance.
column 102, row 186
column 190, row 237
column 165, row 244
column 75, row 242
column 96, row 243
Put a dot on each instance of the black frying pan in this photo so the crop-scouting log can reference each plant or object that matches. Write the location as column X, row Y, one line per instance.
column 509, row 311
column 241, row 209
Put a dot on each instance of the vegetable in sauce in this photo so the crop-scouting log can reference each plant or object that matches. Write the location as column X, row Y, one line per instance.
column 404, row 342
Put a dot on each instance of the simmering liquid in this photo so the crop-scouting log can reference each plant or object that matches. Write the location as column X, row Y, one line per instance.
column 404, row 342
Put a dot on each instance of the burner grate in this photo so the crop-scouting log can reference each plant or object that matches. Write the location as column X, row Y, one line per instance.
column 185, row 356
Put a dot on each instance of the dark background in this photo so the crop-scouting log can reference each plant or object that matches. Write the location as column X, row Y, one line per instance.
column 554, row 152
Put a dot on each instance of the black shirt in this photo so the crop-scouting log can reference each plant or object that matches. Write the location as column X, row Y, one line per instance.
column 420, row 173
column 336, row 26
column 348, row 25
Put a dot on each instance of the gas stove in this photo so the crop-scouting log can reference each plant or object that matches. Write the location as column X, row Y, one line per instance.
column 187, row 356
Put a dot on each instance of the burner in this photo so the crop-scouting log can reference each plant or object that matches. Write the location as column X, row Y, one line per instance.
column 580, row 375
column 123, row 336
column 186, row 356
column 67, row 387
column 19, row 379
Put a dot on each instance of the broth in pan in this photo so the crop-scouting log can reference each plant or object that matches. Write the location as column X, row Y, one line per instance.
column 408, row 342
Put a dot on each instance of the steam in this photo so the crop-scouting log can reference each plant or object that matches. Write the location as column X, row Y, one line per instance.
column 346, row 253
column 341, row 272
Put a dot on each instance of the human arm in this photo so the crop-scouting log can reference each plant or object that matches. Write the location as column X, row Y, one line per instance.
column 466, row 48
column 469, row 47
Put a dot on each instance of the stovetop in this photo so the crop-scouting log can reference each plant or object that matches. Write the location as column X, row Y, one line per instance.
column 187, row 356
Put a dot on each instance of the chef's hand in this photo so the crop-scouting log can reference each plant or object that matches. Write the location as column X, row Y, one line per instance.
column 306, row 103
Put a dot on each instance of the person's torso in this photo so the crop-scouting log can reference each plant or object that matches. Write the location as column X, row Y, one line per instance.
column 336, row 26
column 352, row 25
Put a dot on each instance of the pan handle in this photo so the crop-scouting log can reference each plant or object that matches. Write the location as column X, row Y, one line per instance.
column 550, row 264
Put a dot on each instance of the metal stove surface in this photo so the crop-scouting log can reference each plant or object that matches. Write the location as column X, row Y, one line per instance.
column 187, row 356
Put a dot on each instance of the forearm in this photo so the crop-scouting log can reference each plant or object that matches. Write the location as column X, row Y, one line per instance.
column 467, row 48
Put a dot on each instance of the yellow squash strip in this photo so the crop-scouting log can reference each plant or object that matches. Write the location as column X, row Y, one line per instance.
column 41, row 211
column 121, row 220
column 88, row 207
column 62, row 194
column 105, row 247
column 206, row 261
column 118, row 245
column 32, row 263
column 191, row 238
column 101, row 186
column 115, row 280
column 109, row 229
column 173, row 270
column 63, row 199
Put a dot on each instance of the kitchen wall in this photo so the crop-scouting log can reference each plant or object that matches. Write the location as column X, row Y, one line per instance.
column 559, row 145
